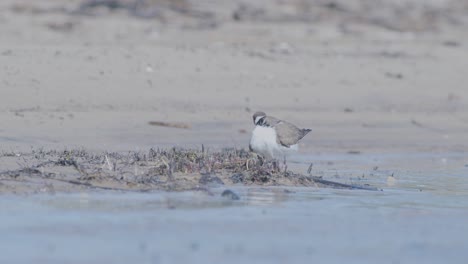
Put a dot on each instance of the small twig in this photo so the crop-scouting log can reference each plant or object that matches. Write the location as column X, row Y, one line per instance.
column 420, row 125
column 309, row 170
column 167, row 124
column 87, row 184
column 109, row 165
column 343, row 185
column 78, row 168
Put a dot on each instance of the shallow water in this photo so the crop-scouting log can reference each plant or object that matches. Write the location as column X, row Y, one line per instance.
column 445, row 172
column 419, row 216
column 271, row 225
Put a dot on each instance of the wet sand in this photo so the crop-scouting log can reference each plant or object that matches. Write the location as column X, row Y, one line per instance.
column 382, row 87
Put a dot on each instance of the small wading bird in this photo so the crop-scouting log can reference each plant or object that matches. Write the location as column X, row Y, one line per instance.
column 273, row 138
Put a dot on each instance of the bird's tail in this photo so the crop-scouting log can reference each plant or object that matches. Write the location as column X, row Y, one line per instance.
column 305, row 131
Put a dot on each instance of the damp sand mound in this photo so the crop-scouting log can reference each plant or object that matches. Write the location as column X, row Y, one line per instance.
column 157, row 169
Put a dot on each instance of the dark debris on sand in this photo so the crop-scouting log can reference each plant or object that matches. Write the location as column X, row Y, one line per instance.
column 157, row 169
column 347, row 16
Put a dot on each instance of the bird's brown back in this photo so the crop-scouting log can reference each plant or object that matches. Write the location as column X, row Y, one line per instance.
column 287, row 134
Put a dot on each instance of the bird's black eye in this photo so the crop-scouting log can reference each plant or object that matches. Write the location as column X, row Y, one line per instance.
column 261, row 122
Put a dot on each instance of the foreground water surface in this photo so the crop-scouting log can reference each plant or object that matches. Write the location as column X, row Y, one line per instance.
column 419, row 217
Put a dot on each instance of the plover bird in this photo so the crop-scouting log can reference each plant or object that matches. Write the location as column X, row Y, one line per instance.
column 273, row 138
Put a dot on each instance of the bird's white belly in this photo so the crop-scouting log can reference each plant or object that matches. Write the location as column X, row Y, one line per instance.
column 264, row 142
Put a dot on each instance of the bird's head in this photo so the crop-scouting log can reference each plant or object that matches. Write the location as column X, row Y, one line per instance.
column 258, row 117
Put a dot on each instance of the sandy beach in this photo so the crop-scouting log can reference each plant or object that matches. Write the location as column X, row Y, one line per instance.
column 94, row 77
column 95, row 81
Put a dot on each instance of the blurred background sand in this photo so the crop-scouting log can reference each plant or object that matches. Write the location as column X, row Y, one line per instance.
column 364, row 75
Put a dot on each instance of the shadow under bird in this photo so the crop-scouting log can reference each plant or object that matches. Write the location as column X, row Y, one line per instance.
column 273, row 138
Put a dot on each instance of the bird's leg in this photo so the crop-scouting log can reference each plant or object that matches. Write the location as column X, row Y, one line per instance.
column 285, row 165
column 253, row 160
column 261, row 159
column 275, row 165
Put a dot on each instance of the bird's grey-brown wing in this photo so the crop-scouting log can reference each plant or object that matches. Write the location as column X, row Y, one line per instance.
column 271, row 121
column 288, row 134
